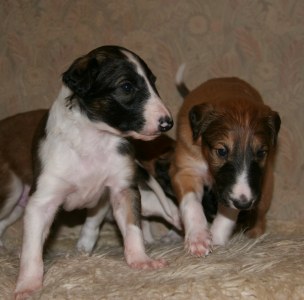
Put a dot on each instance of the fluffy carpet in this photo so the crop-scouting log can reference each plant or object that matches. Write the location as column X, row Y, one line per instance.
column 271, row 267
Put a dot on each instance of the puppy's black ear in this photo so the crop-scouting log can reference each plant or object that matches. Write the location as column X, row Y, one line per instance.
column 80, row 75
column 200, row 116
column 274, row 123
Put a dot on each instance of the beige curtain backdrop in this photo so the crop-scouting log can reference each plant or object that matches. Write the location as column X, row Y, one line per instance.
column 259, row 41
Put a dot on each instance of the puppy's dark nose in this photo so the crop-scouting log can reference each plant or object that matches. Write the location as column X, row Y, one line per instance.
column 165, row 124
column 242, row 203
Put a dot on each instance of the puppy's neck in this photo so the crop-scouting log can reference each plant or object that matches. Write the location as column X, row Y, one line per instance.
column 65, row 117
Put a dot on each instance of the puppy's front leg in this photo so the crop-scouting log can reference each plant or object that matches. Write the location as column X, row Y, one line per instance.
column 37, row 220
column 189, row 191
column 126, row 209
column 257, row 217
column 223, row 224
column 39, row 215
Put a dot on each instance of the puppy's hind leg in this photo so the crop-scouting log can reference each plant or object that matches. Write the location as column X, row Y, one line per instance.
column 152, row 206
column 126, row 209
column 9, row 220
column 90, row 229
column 10, row 195
column 15, row 198
column 147, row 232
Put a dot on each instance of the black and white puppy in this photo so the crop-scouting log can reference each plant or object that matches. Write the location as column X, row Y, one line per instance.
column 82, row 157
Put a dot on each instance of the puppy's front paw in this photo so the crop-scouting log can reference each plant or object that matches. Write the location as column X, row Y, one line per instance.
column 25, row 293
column 144, row 262
column 255, row 232
column 199, row 243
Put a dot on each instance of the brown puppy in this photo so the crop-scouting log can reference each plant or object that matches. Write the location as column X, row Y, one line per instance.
column 226, row 140
column 16, row 135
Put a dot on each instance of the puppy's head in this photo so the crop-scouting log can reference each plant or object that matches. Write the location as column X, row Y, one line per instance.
column 237, row 139
column 115, row 86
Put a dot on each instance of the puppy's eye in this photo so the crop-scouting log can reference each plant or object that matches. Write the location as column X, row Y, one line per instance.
column 222, row 152
column 261, row 153
column 127, row 87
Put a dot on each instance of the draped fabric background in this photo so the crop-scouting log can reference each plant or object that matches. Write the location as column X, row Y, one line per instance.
column 259, row 41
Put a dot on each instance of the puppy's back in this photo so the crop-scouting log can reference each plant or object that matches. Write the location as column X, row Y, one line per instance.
column 221, row 89
column 16, row 135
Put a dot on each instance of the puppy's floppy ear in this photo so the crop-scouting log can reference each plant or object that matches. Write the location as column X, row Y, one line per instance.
column 80, row 75
column 274, row 123
column 200, row 116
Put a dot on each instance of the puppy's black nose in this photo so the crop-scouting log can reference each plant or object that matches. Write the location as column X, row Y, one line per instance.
column 165, row 124
column 242, row 204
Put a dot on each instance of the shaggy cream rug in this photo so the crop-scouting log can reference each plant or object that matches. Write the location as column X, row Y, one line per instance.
column 271, row 267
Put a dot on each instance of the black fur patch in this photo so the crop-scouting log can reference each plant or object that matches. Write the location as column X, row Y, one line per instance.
column 162, row 167
column 125, row 148
column 209, row 203
column 255, row 176
column 225, row 177
column 142, row 174
column 108, row 88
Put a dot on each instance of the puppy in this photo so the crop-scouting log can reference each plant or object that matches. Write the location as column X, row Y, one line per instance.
column 226, row 140
column 16, row 136
column 82, row 157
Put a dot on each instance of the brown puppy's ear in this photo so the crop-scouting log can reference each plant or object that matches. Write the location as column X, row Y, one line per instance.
column 200, row 116
column 80, row 75
column 274, row 123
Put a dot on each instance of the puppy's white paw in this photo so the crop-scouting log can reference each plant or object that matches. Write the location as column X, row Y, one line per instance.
column 223, row 225
column 85, row 244
column 144, row 262
column 171, row 237
column 219, row 240
column 199, row 243
column 23, row 295
column 25, row 289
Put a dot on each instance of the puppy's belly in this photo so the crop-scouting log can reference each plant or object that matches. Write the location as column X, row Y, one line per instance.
column 79, row 200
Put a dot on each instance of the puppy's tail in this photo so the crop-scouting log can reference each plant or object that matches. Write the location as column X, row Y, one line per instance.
column 179, row 81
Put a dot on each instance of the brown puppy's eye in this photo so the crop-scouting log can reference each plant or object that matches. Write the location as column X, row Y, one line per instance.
column 222, row 152
column 261, row 153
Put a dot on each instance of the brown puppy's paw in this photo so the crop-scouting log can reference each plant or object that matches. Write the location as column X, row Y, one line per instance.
column 255, row 232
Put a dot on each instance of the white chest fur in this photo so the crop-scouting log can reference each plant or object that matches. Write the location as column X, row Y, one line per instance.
column 82, row 158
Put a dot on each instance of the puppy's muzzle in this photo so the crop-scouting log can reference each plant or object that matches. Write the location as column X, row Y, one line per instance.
column 243, row 203
column 165, row 123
